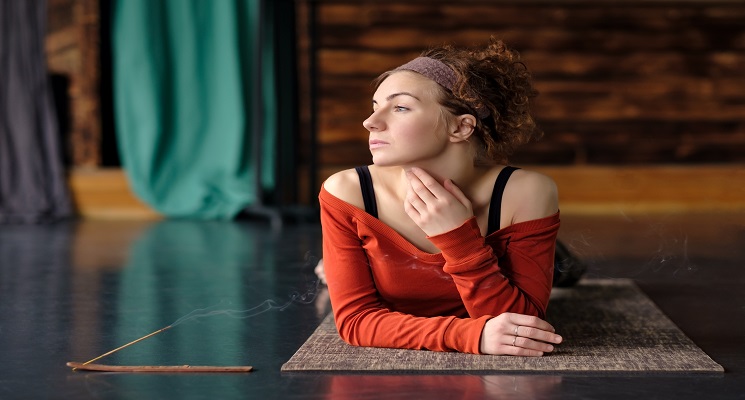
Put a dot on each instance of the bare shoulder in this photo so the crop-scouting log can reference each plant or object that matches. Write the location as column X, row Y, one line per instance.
column 345, row 185
column 531, row 195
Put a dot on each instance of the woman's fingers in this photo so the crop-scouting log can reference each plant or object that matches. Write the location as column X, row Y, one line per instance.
column 529, row 321
column 457, row 193
column 520, row 351
column 414, row 202
column 537, row 334
column 431, row 206
column 533, row 333
column 523, row 345
column 425, row 187
column 519, row 335
column 530, row 344
column 431, row 193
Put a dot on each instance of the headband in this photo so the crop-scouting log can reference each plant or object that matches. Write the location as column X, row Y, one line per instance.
column 440, row 73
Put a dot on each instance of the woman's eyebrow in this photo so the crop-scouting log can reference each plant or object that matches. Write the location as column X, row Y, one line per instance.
column 393, row 95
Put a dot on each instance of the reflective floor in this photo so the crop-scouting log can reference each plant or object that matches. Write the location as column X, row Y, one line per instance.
column 241, row 293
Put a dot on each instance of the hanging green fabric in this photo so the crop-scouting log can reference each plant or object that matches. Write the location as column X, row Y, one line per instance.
column 186, row 104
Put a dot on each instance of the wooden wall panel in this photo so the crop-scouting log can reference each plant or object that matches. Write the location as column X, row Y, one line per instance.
column 623, row 83
column 72, row 50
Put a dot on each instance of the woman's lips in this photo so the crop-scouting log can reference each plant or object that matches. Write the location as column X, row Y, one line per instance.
column 374, row 144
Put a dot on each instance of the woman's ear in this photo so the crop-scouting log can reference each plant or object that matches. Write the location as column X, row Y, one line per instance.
column 463, row 129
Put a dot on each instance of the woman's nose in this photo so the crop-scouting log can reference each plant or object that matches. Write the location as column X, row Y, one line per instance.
column 372, row 123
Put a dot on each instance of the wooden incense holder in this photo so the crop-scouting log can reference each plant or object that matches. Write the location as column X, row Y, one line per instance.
column 157, row 368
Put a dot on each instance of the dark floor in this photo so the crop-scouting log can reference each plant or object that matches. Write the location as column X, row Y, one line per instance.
column 72, row 291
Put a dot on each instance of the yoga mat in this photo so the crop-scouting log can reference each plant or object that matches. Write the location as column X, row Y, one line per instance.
column 607, row 325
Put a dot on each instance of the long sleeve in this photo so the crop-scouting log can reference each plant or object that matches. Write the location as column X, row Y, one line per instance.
column 386, row 293
column 362, row 317
column 514, row 276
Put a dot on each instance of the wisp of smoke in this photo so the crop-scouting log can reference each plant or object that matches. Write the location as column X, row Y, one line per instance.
column 265, row 306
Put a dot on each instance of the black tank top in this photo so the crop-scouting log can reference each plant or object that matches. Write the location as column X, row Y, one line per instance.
column 495, row 206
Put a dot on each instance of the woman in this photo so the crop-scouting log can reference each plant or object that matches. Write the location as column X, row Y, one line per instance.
column 439, row 245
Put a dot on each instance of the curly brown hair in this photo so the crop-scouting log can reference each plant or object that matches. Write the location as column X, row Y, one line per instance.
column 495, row 78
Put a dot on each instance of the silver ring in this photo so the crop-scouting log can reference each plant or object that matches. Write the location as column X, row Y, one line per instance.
column 516, row 330
column 513, row 341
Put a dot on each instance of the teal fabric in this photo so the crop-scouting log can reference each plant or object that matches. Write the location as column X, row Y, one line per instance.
column 185, row 104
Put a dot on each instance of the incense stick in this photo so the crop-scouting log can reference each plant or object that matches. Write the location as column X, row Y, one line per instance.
column 121, row 347
column 158, row 368
column 87, row 366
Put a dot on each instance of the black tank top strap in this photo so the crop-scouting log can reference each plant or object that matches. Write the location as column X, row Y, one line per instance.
column 368, row 192
column 495, row 207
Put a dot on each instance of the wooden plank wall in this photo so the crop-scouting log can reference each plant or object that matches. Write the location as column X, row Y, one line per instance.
column 72, row 50
column 639, row 99
column 622, row 83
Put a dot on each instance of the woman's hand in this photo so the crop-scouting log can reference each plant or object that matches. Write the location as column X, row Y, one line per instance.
column 518, row 335
column 433, row 207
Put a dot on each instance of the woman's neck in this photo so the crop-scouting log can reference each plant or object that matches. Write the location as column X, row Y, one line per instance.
column 461, row 175
column 456, row 164
column 460, row 170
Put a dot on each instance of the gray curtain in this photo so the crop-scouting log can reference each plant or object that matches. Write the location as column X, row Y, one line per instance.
column 32, row 182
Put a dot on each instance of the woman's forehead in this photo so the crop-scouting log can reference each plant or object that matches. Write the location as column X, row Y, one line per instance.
column 406, row 82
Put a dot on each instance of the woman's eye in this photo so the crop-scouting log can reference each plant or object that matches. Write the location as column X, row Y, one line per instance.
column 401, row 108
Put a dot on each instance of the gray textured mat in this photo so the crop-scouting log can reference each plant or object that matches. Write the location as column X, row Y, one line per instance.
column 607, row 325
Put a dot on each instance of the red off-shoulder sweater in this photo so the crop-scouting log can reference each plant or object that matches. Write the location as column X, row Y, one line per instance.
column 385, row 292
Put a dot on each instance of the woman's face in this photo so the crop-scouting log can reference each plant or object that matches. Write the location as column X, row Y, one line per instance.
column 406, row 126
